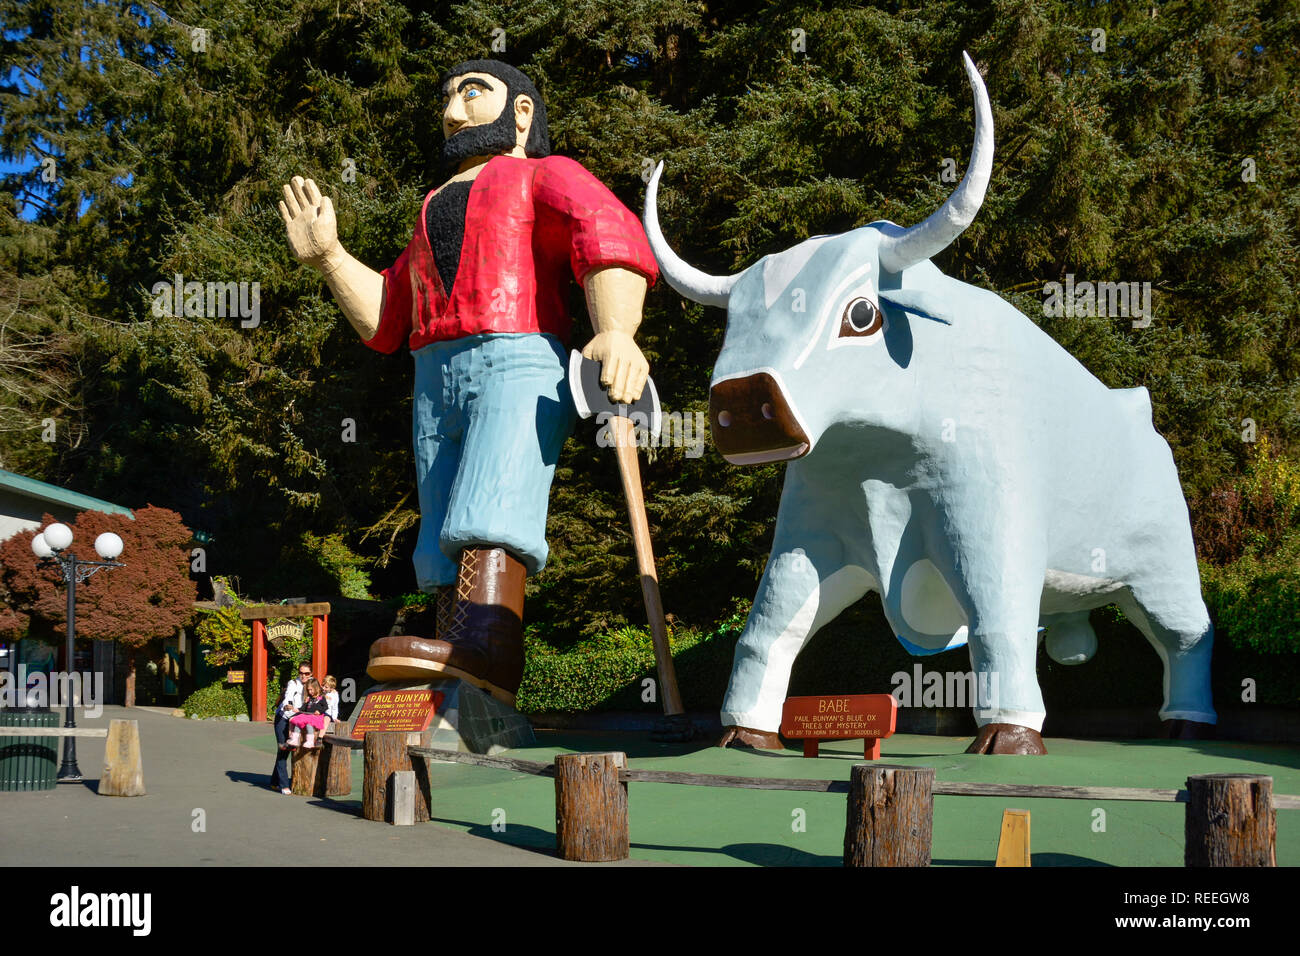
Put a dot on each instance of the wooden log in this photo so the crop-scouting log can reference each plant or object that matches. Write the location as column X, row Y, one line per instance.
column 386, row 754
column 482, row 760
column 890, row 815
column 591, row 807
column 123, row 774
column 1230, row 821
column 306, row 767
column 336, row 780
column 1013, row 841
column 404, row 798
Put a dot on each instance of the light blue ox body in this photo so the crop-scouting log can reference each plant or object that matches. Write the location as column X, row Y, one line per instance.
column 947, row 454
column 965, row 467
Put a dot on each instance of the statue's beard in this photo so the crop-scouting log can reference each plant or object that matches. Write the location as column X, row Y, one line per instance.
column 490, row 139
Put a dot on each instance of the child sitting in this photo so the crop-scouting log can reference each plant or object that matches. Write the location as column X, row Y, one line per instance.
column 310, row 715
column 330, row 686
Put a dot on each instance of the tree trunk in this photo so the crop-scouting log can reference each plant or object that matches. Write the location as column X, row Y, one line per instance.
column 889, row 816
column 129, row 695
column 591, row 807
column 1230, row 821
column 385, row 754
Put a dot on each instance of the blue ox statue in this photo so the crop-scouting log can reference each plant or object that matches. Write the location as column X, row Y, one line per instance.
column 948, row 454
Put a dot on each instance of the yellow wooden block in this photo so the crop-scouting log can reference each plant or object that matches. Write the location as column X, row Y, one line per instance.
column 1013, row 843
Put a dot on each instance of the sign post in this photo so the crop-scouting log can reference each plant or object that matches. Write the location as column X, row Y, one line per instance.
column 840, row 717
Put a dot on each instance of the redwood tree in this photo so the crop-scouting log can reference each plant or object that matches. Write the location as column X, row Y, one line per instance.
column 145, row 600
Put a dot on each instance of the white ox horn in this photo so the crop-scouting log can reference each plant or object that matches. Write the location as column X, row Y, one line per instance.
column 931, row 237
column 685, row 278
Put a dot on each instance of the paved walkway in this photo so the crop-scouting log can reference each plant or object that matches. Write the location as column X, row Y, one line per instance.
column 222, row 769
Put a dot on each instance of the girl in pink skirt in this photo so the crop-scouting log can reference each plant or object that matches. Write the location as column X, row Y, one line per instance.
column 311, row 715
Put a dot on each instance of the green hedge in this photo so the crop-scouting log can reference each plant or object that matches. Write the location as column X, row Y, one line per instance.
column 858, row 653
column 1255, row 601
column 216, row 700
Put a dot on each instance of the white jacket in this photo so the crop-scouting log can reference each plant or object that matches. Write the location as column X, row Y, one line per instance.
column 292, row 695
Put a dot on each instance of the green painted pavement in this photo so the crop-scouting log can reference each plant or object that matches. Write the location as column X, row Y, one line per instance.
column 712, row 826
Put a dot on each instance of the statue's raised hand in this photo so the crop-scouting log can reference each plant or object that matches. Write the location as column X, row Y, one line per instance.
column 309, row 220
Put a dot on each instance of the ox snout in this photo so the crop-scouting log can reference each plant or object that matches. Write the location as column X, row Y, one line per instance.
column 752, row 423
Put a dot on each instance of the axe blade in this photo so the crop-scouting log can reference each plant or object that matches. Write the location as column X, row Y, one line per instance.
column 590, row 397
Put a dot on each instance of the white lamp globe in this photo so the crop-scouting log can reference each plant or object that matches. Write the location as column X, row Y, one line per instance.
column 42, row 549
column 108, row 545
column 58, row 536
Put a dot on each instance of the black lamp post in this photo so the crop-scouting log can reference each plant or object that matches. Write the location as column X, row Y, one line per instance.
column 49, row 546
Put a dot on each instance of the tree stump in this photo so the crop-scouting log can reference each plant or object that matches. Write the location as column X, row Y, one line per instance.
column 1230, row 821
column 306, row 767
column 336, row 780
column 889, row 816
column 123, row 774
column 385, row 755
column 591, row 807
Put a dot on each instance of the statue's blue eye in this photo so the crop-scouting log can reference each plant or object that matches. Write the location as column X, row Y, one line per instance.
column 470, row 94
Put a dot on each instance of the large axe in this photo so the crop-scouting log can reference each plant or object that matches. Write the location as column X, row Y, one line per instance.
column 591, row 399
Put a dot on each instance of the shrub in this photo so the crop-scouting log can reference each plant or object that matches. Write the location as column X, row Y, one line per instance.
column 600, row 673
column 1255, row 601
column 216, row 700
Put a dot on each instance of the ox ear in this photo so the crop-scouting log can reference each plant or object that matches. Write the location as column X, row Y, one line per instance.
column 928, row 305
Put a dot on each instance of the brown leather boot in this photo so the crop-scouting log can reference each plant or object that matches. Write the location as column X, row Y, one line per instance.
column 480, row 630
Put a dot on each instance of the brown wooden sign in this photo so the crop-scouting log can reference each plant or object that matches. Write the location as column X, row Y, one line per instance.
column 409, row 710
column 235, row 677
column 839, row 717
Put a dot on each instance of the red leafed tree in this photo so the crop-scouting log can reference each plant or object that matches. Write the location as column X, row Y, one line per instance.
column 146, row 600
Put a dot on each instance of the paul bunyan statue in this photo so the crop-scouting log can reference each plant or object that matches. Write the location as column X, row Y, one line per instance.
column 947, row 454
column 480, row 296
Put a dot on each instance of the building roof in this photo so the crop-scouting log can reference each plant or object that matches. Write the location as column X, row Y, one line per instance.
column 32, row 488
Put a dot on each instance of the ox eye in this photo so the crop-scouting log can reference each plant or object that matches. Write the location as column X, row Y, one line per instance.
column 861, row 318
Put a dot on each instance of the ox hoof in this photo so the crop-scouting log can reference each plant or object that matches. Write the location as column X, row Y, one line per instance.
column 746, row 737
column 1188, row 730
column 1007, row 739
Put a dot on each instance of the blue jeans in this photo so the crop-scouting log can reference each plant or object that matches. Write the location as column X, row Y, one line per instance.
column 490, row 415
column 280, row 775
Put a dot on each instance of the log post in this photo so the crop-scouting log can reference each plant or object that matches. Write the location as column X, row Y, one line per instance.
column 591, row 807
column 890, row 815
column 123, row 774
column 306, row 764
column 1230, row 821
column 336, row 780
column 385, row 754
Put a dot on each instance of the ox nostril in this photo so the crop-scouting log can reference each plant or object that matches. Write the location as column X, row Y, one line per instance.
column 724, row 418
column 768, row 412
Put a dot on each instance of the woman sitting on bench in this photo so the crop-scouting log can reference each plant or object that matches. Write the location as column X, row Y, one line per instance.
column 310, row 715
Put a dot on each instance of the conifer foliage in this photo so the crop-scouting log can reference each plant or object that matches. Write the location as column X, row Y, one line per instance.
column 1136, row 142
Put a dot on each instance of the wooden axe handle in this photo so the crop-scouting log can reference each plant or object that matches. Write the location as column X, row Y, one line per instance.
column 625, row 446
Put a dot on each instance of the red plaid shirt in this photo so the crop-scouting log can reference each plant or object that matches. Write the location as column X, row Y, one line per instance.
column 529, row 223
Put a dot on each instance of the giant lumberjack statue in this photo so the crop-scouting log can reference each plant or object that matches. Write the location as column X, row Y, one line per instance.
column 480, row 294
